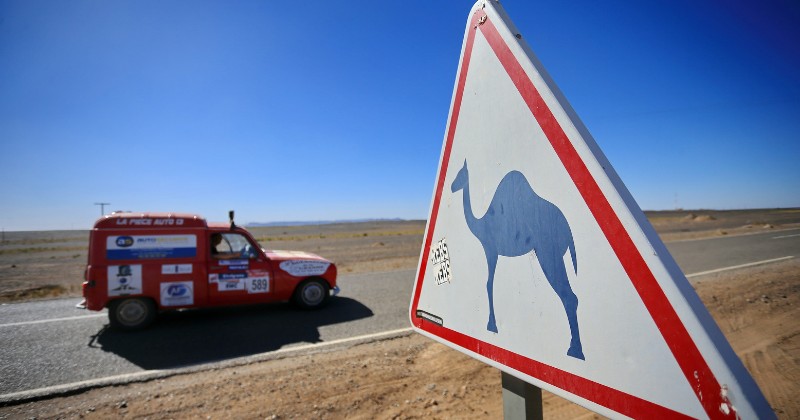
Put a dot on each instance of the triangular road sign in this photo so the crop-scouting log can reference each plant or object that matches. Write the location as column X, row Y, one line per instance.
column 537, row 260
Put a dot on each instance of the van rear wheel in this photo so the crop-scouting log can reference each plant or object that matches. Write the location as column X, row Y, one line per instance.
column 131, row 313
column 311, row 294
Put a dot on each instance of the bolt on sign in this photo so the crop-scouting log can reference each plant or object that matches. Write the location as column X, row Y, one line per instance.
column 537, row 260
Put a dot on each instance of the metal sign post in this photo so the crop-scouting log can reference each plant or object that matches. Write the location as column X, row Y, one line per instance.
column 521, row 400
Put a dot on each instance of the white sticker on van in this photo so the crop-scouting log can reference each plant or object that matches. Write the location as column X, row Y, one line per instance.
column 234, row 262
column 124, row 280
column 138, row 247
column 176, row 269
column 257, row 281
column 305, row 268
column 230, row 285
column 227, row 282
column 177, row 293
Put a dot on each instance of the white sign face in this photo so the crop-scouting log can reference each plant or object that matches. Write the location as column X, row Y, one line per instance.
column 538, row 261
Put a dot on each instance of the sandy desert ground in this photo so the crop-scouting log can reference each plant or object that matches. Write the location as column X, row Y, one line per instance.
column 410, row 376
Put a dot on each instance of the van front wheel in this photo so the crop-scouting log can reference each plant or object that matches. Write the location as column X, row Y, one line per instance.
column 131, row 313
column 311, row 294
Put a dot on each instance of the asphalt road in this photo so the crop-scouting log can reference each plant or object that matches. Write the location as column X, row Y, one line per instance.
column 49, row 343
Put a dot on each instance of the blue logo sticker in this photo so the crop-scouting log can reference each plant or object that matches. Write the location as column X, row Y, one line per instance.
column 232, row 276
column 124, row 241
column 177, row 290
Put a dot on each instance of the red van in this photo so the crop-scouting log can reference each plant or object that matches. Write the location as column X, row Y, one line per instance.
column 143, row 263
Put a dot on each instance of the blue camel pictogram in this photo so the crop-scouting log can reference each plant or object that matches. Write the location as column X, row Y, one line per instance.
column 517, row 222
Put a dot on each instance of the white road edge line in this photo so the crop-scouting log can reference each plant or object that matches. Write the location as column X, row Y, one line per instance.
column 42, row 321
column 735, row 267
column 147, row 375
column 711, row 238
column 785, row 236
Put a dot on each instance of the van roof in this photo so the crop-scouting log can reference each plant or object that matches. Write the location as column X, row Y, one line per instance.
column 219, row 225
column 155, row 220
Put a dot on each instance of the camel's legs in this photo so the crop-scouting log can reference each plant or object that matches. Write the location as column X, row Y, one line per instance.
column 491, row 263
column 553, row 267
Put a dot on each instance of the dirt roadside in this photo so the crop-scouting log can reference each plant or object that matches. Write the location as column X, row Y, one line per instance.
column 413, row 377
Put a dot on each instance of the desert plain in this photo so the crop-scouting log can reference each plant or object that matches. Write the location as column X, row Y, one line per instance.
column 406, row 376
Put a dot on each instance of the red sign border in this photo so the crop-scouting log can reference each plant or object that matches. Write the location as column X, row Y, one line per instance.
column 680, row 343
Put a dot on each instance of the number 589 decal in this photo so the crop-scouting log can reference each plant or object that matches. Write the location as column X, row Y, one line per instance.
column 259, row 284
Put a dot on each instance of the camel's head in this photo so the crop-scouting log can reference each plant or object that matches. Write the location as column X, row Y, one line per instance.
column 462, row 178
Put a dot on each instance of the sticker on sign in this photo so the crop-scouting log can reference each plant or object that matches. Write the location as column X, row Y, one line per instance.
column 441, row 260
column 538, row 261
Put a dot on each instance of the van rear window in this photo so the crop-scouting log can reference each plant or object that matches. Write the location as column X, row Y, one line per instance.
column 139, row 247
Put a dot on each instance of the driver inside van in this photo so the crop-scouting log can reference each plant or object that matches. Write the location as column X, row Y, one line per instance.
column 216, row 240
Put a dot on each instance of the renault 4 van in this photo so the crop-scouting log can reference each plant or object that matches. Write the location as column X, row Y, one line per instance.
column 143, row 263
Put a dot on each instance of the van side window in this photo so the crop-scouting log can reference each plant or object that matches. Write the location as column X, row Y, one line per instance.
column 231, row 245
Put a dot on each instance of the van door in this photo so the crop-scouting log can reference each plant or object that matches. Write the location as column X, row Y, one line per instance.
column 238, row 271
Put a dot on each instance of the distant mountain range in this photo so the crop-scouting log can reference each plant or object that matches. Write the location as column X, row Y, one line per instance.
column 320, row 222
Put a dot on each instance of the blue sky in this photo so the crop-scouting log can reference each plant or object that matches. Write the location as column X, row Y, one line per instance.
column 321, row 110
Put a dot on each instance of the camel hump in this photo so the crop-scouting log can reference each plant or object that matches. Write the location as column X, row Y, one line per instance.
column 514, row 187
column 521, row 220
column 515, row 194
column 515, row 176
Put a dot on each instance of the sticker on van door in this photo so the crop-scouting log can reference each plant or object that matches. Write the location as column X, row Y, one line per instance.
column 227, row 282
column 230, row 285
column 257, row 281
column 124, row 280
column 177, row 293
column 235, row 264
